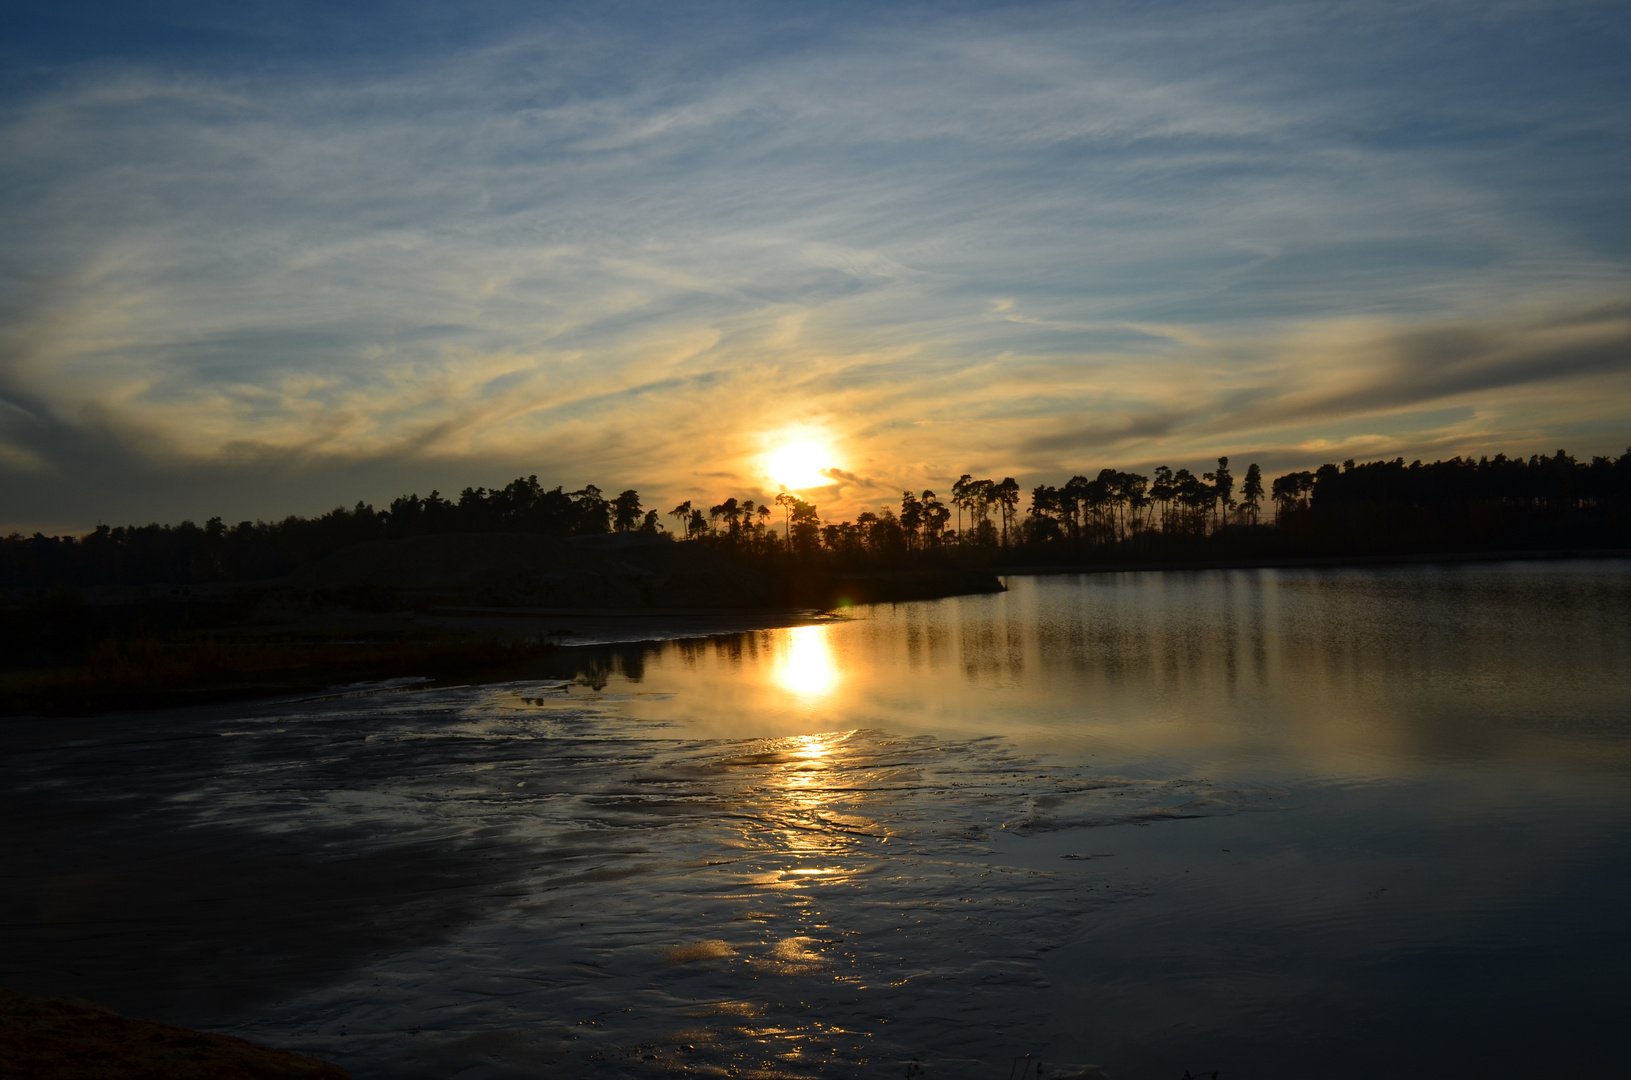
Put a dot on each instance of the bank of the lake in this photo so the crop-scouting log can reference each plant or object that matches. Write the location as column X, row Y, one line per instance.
column 446, row 607
column 1292, row 562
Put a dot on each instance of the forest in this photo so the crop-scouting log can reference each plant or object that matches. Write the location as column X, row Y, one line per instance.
column 1491, row 504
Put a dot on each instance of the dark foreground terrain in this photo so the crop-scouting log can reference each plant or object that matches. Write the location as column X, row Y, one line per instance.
column 459, row 606
column 70, row 1039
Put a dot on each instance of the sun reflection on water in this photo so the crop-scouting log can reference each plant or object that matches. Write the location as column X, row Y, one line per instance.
column 807, row 667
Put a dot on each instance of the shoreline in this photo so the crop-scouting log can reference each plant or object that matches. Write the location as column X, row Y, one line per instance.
column 1453, row 558
column 470, row 644
column 468, row 647
column 567, row 629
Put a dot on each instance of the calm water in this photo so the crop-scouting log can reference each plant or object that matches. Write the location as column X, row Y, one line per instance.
column 1270, row 823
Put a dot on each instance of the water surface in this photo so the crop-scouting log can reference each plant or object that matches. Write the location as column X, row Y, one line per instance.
column 1269, row 823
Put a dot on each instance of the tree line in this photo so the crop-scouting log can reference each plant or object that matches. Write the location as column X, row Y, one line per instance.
column 1378, row 506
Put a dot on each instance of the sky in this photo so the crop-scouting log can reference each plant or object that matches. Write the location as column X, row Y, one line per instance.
column 271, row 258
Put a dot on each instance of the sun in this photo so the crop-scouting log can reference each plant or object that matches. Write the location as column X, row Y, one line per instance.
column 798, row 465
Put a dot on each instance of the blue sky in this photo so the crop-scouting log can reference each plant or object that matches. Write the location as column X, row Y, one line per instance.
column 262, row 260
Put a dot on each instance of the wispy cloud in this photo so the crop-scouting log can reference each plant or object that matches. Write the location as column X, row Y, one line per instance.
column 1023, row 239
column 1350, row 373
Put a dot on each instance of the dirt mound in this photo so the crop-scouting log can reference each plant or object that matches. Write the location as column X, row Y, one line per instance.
column 517, row 570
column 69, row 1039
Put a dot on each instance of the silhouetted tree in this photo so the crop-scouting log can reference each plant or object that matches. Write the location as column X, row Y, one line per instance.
column 911, row 517
column 1162, row 491
column 1292, row 490
column 1195, row 499
column 786, row 500
column 1224, row 484
column 884, row 537
column 682, row 514
column 1251, row 492
column 592, row 512
column 1460, row 504
column 626, row 511
column 1045, row 522
column 805, row 526
column 981, row 494
column 730, row 512
column 935, row 516
column 961, row 498
column 1135, row 493
column 1006, row 496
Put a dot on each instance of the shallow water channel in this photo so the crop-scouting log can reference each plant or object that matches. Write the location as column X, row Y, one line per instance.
column 1313, row 823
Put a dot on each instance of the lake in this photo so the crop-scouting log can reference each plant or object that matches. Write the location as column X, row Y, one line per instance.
column 1293, row 823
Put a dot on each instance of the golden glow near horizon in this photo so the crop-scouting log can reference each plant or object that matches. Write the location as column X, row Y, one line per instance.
column 798, row 466
column 807, row 667
column 667, row 307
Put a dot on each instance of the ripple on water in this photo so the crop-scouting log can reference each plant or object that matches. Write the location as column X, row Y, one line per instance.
column 787, row 907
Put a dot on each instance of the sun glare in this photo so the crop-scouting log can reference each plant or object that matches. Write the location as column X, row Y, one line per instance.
column 807, row 668
column 798, row 465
